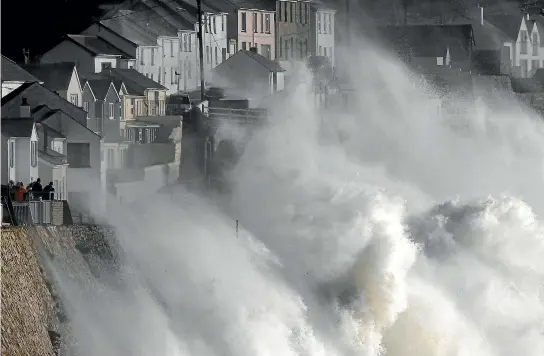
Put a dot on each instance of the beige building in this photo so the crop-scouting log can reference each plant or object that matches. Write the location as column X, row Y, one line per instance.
column 253, row 28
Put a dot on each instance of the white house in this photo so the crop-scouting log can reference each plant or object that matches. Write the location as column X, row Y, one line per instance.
column 322, row 33
column 13, row 76
column 189, row 77
column 19, row 150
column 91, row 54
column 62, row 78
column 250, row 75
column 52, row 160
column 215, row 42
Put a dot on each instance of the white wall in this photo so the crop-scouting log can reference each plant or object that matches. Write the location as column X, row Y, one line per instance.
column 325, row 39
column 214, row 41
column 189, row 77
column 169, row 66
column 75, row 88
column 59, row 182
column 22, row 161
column 67, row 51
column 147, row 61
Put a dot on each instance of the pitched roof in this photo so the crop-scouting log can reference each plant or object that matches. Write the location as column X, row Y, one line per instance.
column 52, row 157
column 130, row 30
column 55, row 76
column 509, row 25
column 12, row 72
column 428, row 40
column 17, row 127
column 99, row 87
column 268, row 63
column 96, row 45
column 37, row 95
column 135, row 82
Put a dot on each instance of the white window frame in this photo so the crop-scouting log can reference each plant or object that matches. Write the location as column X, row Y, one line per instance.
column 74, row 99
column 112, row 110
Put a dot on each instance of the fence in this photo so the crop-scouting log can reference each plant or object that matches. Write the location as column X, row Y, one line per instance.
column 35, row 210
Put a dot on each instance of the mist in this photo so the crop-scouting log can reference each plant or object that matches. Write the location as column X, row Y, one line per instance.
column 373, row 228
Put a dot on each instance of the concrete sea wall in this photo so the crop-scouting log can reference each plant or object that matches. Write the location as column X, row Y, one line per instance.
column 33, row 318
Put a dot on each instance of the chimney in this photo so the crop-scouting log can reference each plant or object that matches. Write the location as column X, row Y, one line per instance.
column 25, row 109
column 253, row 49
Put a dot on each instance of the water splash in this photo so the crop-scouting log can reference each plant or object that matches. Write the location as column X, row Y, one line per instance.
column 347, row 246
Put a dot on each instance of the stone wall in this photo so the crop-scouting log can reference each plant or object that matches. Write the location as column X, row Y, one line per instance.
column 26, row 301
column 32, row 311
column 57, row 213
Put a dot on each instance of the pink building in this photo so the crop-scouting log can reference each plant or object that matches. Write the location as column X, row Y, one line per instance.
column 253, row 28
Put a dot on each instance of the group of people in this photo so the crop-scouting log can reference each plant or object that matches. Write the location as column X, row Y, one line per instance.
column 34, row 191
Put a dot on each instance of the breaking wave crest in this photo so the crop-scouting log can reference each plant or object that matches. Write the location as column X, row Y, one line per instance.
column 340, row 251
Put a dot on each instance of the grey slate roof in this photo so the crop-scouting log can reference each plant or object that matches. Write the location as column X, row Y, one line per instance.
column 99, row 87
column 97, row 45
column 12, row 72
column 55, row 76
column 135, row 82
column 37, row 95
column 17, row 127
column 52, row 157
column 508, row 24
column 268, row 63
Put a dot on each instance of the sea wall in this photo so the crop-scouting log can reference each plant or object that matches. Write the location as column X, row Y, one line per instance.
column 34, row 321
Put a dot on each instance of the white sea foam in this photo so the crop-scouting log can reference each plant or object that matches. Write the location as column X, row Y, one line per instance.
column 409, row 235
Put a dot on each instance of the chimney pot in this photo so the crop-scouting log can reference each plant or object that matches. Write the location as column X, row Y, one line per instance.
column 24, row 109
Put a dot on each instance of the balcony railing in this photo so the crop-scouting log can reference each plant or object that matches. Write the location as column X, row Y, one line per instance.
column 36, row 208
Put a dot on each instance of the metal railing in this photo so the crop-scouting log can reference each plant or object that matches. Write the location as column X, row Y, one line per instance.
column 249, row 116
column 34, row 209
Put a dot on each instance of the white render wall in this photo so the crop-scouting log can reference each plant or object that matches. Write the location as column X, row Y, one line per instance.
column 325, row 34
column 189, row 72
column 215, row 42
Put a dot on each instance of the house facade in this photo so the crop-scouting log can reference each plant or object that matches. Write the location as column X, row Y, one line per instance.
column 62, row 78
column 293, row 29
column 250, row 75
column 52, row 160
column 253, row 28
column 91, row 54
column 215, row 41
column 322, row 34
column 188, row 73
column 103, row 105
column 19, row 150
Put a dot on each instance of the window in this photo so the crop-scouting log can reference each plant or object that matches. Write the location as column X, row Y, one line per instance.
column 244, row 46
column 293, row 6
column 320, row 50
column 286, row 49
column 255, row 22
column 208, row 60
column 142, row 56
column 224, row 54
column 262, row 23
column 214, row 28
column 86, row 106
column 190, row 37
column 223, row 20
column 216, row 56
column 324, row 23
column 173, row 75
column 325, row 51
column 299, row 12
column 534, row 65
column 330, row 23
column 172, row 48
column 524, row 69
column 523, row 42
column 292, row 45
column 111, row 107
column 152, row 57
column 122, row 133
column 79, row 155
column 33, row 153
column 111, row 158
column 58, row 146
column 11, row 153
column 132, row 106
column 284, row 5
column 267, row 23
column 140, row 135
column 74, row 99
column 189, row 69
column 535, row 44
column 122, row 158
column 151, row 76
column 243, row 20
column 105, row 65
